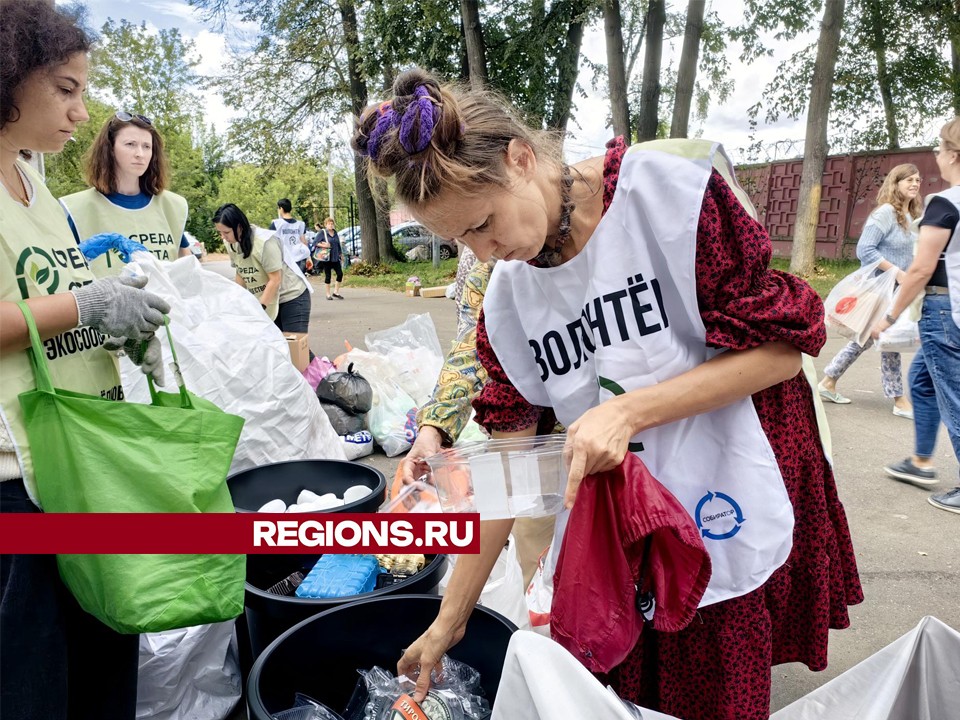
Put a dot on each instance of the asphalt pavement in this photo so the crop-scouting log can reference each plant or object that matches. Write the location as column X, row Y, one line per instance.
column 908, row 552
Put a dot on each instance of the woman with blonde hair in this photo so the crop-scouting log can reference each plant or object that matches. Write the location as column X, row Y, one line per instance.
column 887, row 237
column 935, row 273
column 128, row 174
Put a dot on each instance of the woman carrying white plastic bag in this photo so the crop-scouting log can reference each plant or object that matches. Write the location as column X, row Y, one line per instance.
column 886, row 245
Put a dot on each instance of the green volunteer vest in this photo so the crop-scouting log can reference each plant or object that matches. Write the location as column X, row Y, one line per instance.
column 159, row 226
column 40, row 257
column 251, row 269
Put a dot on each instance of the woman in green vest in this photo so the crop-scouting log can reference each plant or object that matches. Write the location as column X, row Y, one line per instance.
column 46, row 638
column 257, row 257
column 128, row 172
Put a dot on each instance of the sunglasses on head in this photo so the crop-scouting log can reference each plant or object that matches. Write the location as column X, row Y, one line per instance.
column 124, row 116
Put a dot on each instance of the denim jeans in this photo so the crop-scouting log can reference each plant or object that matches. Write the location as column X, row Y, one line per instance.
column 926, row 414
column 57, row 662
column 940, row 340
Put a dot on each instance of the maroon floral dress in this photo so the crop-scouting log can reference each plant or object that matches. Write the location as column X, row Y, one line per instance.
column 718, row 668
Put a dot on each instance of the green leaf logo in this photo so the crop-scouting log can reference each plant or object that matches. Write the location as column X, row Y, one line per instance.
column 43, row 274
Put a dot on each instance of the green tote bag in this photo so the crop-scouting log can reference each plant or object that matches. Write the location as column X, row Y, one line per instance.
column 97, row 455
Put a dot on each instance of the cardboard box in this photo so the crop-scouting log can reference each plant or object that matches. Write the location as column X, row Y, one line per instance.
column 434, row 292
column 299, row 347
column 412, row 290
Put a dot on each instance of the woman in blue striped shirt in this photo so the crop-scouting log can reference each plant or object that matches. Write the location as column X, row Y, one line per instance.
column 888, row 236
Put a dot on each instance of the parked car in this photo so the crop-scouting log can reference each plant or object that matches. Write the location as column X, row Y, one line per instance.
column 409, row 235
column 196, row 247
column 350, row 241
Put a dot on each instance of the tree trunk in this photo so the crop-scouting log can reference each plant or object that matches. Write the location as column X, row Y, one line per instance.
column 878, row 40
column 568, row 63
column 687, row 72
column 476, row 49
column 616, row 72
column 388, row 253
column 815, row 145
column 366, row 207
column 650, row 86
column 955, row 58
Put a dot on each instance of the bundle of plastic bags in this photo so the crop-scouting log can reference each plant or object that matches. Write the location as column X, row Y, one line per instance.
column 859, row 301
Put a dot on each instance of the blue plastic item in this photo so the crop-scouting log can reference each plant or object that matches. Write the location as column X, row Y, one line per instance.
column 340, row 576
column 97, row 245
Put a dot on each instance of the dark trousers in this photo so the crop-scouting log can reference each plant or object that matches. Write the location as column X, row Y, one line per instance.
column 57, row 662
column 294, row 315
column 329, row 267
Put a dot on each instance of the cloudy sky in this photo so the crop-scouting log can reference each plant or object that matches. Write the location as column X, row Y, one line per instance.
column 726, row 123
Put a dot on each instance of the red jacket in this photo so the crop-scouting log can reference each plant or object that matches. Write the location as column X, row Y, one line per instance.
column 618, row 515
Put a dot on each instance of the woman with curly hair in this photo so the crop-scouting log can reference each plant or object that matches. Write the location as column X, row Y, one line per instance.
column 128, row 174
column 887, row 236
column 46, row 639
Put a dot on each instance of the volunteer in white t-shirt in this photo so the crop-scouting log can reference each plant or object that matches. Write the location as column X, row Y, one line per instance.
column 257, row 257
column 128, row 173
column 45, row 636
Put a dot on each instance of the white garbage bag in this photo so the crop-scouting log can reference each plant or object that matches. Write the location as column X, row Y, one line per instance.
column 542, row 681
column 233, row 355
column 189, row 674
column 412, row 349
column 503, row 591
column 916, row 677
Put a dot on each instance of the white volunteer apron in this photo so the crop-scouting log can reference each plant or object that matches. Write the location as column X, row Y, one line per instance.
column 623, row 315
column 289, row 234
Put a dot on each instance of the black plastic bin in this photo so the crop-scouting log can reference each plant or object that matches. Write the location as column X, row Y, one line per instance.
column 253, row 488
column 321, row 655
column 269, row 615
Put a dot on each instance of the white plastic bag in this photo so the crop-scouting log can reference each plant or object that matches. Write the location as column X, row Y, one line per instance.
column 412, row 350
column 189, row 674
column 233, row 355
column 539, row 595
column 503, row 591
column 859, row 300
column 357, row 445
column 902, row 336
column 393, row 418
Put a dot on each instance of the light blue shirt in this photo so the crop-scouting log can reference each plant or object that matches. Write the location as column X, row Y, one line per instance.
column 883, row 238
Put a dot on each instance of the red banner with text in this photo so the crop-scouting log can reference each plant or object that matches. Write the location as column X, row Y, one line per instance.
column 246, row 533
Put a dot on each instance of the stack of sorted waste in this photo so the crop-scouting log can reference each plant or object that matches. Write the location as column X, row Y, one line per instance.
column 345, row 397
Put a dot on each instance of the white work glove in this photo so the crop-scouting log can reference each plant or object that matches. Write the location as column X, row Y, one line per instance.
column 150, row 359
column 119, row 307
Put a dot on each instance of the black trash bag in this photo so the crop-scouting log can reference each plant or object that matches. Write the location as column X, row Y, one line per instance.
column 344, row 423
column 349, row 390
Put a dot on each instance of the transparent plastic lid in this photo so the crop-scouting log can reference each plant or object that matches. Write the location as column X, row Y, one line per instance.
column 506, row 478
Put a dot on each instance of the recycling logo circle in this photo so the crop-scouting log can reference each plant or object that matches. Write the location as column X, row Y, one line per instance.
column 718, row 516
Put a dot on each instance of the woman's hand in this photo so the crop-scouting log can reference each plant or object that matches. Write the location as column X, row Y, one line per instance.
column 597, row 441
column 426, row 651
column 901, row 277
column 881, row 325
column 429, row 442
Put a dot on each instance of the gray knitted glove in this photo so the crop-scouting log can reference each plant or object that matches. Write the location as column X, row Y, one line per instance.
column 119, row 306
column 149, row 360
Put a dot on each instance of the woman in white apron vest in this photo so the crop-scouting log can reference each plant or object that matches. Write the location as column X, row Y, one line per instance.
column 46, row 638
column 935, row 272
column 128, row 173
column 258, row 258
column 635, row 304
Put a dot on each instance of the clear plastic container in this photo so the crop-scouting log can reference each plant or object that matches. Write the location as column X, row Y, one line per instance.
column 517, row 477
